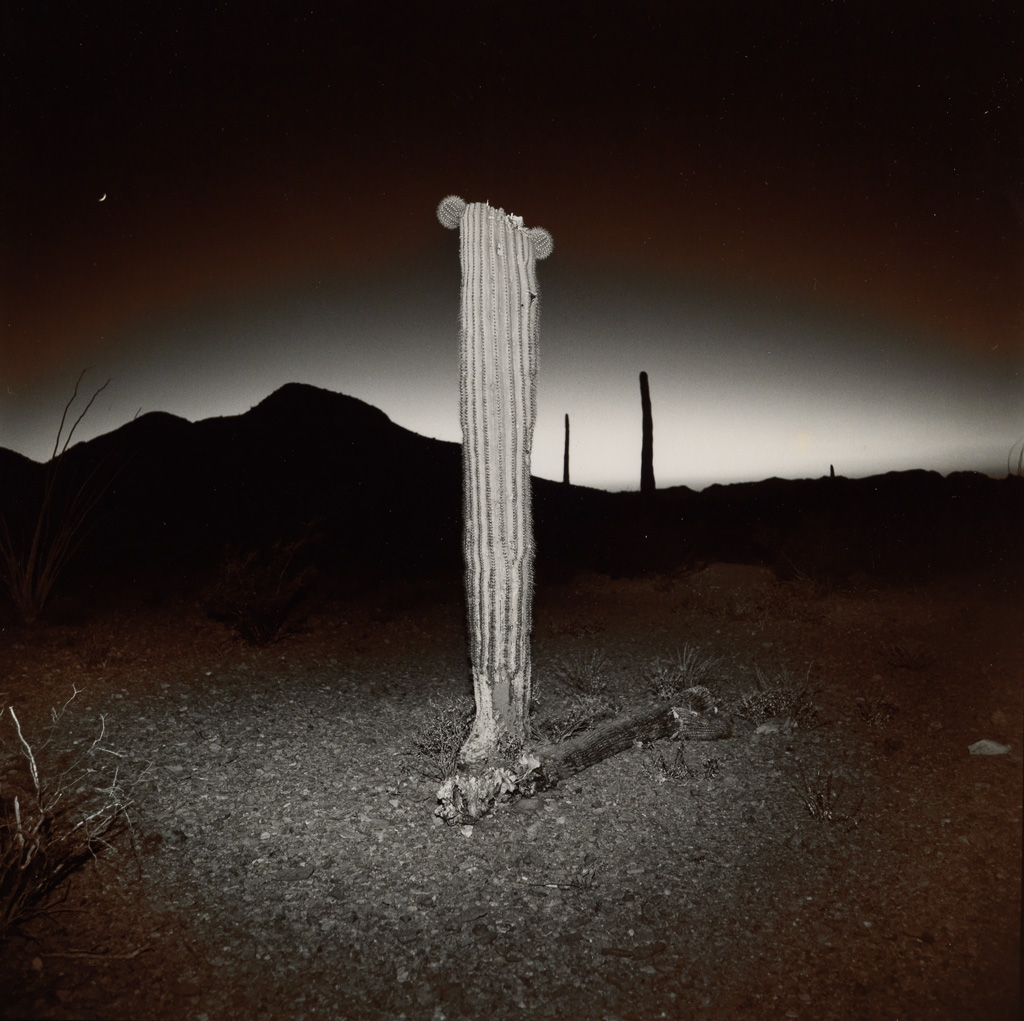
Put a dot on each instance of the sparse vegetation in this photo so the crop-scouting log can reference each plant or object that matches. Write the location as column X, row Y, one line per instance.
column 667, row 677
column 876, row 712
column 780, row 695
column 57, row 812
column 33, row 553
column 583, row 673
column 582, row 712
column 662, row 768
column 442, row 735
column 1018, row 469
column 673, row 768
column 828, row 801
column 258, row 592
column 294, row 807
column 910, row 655
column 585, row 677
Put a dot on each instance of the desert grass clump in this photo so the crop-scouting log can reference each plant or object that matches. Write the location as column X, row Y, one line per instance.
column 780, row 695
column 662, row 768
column 441, row 736
column 673, row 768
column 828, row 801
column 581, row 713
column 876, row 712
column 668, row 676
column 910, row 655
column 53, row 821
column 259, row 592
column 583, row 673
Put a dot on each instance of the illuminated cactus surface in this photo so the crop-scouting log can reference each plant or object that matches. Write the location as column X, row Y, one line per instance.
column 499, row 327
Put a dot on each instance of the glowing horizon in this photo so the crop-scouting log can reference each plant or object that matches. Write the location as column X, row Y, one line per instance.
column 744, row 387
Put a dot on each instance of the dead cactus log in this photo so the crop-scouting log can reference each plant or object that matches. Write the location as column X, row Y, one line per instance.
column 652, row 723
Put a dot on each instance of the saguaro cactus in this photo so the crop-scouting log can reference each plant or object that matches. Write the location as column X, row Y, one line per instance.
column 565, row 456
column 499, row 326
column 647, row 445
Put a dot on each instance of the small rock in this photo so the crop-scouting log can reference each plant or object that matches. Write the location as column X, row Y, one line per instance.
column 296, row 874
column 483, row 934
column 986, row 747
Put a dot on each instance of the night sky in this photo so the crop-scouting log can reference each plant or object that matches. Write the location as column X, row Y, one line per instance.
column 803, row 220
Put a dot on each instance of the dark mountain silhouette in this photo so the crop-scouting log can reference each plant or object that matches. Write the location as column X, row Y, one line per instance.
column 386, row 502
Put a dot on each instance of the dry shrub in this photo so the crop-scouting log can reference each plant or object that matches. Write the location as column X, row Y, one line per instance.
column 584, row 673
column 441, row 737
column 669, row 676
column 58, row 811
column 780, row 696
column 258, row 592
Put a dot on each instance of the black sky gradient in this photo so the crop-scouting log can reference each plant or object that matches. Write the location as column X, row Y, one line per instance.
column 811, row 210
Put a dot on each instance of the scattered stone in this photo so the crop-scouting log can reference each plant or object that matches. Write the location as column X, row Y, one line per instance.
column 986, row 747
column 483, row 934
column 296, row 875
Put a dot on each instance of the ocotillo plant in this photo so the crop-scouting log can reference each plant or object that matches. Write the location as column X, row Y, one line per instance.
column 565, row 456
column 499, row 326
column 647, row 445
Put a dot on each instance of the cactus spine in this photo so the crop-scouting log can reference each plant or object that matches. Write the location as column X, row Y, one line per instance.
column 647, row 445
column 565, row 456
column 499, row 327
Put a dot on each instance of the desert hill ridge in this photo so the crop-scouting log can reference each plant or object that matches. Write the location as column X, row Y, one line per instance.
column 386, row 501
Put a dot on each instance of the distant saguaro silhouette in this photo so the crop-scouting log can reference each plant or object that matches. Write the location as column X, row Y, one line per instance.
column 565, row 456
column 647, row 446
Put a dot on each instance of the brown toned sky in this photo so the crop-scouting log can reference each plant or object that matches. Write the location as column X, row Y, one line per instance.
column 803, row 220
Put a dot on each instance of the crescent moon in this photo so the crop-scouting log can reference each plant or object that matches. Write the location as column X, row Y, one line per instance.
column 103, row 197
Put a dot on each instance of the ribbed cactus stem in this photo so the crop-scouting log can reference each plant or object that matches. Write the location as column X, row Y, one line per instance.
column 499, row 328
column 647, row 442
column 565, row 456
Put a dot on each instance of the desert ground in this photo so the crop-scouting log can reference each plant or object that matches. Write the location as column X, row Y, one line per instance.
column 841, row 855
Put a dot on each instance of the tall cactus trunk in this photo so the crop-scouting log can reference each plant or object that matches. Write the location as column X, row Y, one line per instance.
column 647, row 446
column 565, row 456
column 499, row 328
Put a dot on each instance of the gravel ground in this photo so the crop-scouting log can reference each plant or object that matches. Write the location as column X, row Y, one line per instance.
column 284, row 860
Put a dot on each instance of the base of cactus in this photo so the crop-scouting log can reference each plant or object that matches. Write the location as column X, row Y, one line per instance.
column 474, row 790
